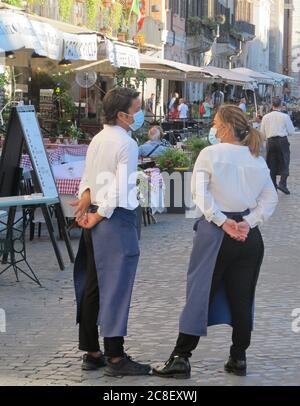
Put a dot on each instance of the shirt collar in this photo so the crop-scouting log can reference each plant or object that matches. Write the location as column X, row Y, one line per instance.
column 119, row 128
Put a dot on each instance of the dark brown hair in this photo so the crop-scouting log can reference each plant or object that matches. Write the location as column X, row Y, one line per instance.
column 234, row 117
column 116, row 100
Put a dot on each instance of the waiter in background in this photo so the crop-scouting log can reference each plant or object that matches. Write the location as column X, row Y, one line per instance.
column 276, row 127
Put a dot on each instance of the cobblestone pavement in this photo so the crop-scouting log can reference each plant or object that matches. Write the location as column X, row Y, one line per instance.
column 40, row 345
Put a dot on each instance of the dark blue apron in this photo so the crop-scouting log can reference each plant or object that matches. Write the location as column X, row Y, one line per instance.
column 116, row 253
column 198, row 314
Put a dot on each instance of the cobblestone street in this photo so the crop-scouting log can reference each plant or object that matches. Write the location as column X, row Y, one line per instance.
column 40, row 344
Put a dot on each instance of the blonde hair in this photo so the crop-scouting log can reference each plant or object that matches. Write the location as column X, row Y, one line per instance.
column 234, row 117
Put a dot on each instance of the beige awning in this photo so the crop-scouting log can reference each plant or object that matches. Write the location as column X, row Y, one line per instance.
column 228, row 76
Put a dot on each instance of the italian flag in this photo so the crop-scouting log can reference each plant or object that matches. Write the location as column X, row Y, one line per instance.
column 138, row 8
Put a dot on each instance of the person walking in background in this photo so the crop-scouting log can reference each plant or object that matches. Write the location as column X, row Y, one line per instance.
column 173, row 100
column 243, row 105
column 195, row 110
column 183, row 109
column 150, row 103
column 108, row 254
column 208, row 106
column 276, row 127
column 217, row 99
column 174, row 112
column 231, row 185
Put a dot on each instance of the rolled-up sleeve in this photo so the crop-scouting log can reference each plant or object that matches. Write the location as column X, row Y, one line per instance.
column 266, row 204
column 85, row 180
column 201, row 193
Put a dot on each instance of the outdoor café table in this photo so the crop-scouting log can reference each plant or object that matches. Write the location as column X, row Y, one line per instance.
column 12, row 235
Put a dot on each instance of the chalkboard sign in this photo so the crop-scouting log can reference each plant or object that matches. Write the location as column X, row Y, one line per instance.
column 23, row 125
column 36, row 150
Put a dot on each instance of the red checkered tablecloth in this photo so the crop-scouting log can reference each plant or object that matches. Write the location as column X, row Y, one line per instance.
column 75, row 150
column 68, row 186
column 55, row 157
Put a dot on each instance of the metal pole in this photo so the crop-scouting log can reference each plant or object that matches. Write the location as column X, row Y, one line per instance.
column 255, row 102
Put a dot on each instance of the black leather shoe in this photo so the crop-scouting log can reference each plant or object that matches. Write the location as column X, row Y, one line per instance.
column 90, row 363
column 126, row 367
column 283, row 189
column 176, row 367
column 237, row 367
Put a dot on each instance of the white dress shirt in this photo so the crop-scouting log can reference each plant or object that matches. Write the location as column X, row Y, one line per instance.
column 275, row 124
column 183, row 110
column 228, row 178
column 111, row 171
column 243, row 107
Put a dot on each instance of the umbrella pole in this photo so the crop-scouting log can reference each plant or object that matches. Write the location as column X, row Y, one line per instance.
column 255, row 102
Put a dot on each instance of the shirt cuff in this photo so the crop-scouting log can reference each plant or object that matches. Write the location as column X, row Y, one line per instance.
column 105, row 211
column 218, row 218
column 251, row 219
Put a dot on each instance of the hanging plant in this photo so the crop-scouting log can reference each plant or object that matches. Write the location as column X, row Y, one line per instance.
column 35, row 2
column 128, row 77
column 116, row 15
column 65, row 8
column 92, row 7
column 16, row 3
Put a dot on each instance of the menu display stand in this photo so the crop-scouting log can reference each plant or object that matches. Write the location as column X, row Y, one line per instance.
column 23, row 129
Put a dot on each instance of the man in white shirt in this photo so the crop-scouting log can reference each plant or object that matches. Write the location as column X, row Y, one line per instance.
column 242, row 105
column 276, row 127
column 105, row 271
column 183, row 109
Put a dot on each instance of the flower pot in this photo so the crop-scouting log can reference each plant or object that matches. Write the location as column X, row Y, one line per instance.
column 122, row 36
column 107, row 3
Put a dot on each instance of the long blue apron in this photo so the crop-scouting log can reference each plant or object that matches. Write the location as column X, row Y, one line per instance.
column 198, row 314
column 116, row 253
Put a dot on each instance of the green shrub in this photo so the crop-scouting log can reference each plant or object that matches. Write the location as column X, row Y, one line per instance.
column 173, row 158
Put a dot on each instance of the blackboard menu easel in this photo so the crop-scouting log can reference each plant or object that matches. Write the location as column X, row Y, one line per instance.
column 23, row 129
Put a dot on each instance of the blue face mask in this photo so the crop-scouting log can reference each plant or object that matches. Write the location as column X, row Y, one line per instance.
column 138, row 120
column 212, row 136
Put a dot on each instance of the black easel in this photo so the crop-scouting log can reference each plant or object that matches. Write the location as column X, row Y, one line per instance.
column 23, row 128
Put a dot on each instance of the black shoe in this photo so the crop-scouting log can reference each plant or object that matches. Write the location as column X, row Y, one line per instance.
column 237, row 367
column 176, row 367
column 126, row 367
column 283, row 189
column 90, row 363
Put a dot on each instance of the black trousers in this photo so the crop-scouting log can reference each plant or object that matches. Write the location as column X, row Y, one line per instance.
column 278, row 158
column 89, row 309
column 238, row 265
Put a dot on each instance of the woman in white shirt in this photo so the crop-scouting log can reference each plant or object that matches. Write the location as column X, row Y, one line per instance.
column 232, row 186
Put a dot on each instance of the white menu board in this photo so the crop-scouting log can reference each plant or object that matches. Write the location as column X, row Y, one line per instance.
column 36, row 150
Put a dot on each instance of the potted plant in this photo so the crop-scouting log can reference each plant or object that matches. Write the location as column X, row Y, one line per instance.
column 122, row 36
column 175, row 165
column 195, row 145
column 74, row 133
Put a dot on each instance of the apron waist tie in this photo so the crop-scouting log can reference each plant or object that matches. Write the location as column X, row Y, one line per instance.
column 238, row 216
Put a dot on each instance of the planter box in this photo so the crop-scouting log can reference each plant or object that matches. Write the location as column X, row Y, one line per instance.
column 178, row 190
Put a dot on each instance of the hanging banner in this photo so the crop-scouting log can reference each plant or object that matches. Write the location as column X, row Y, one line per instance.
column 16, row 32
column 50, row 38
column 80, row 47
column 121, row 56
